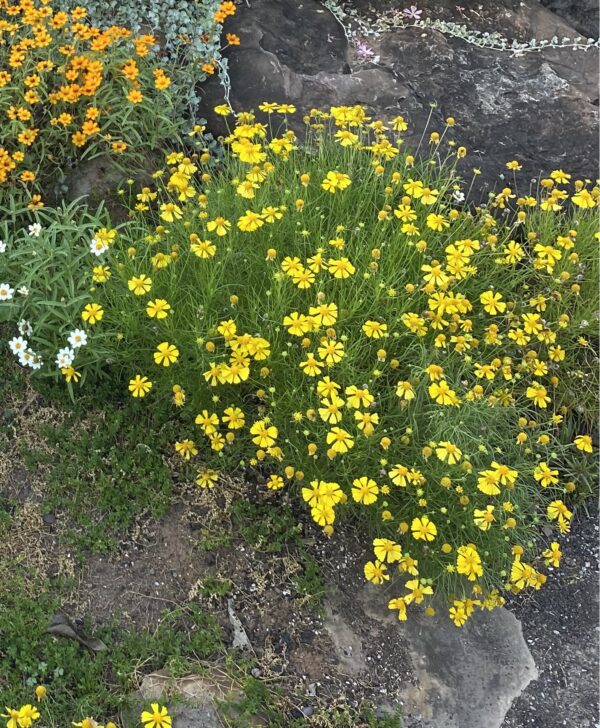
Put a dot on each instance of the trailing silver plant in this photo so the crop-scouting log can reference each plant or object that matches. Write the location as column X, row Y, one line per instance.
column 355, row 27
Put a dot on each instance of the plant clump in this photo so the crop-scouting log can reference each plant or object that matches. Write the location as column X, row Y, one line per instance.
column 333, row 315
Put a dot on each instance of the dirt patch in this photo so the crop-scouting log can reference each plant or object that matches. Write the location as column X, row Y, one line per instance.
column 151, row 573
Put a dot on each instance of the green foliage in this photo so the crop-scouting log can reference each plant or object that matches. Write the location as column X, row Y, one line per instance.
column 81, row 684
column 264, row 527
column 310, row 584
column 189, row 33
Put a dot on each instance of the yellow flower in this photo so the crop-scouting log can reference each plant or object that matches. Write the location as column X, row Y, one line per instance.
column 386, row 550
column 335, row 181
column 583, row 443
column 553, row 555
column 492, row 302
column 92, row 313
column 484, row 519
column 539, row 394
column 340, row 440
column 437, row 222
column 186, row 448
column 442, row 393
column 40, row 692
column 340, row 268
column 468, row 562
column 423, row 529
column 404, row 390
column 488, row 482
column 364, row 490
column 275, row 482
column 156, row 717
column 331, row 352
column 202, row 248
column 374, row 329
column 584, row 199
column 545, row 475
column 166, row 354
column 418, row 591
column 158, row 308
column 139, row 386
column 250, row 221
column 219, row 225
column 207, row 478
column 399, row 604
column 376, row 572
column 310, row 366
column 169, row 212
column 448, row 452
column 264, row 434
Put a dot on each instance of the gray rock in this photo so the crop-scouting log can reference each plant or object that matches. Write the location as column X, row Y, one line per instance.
column 203, row 717
column 540, row 108
column 447, row 676
column 468, row 677
column 583, row 15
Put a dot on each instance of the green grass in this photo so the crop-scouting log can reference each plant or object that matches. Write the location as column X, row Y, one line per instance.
column 310, row 584
column 79, row 683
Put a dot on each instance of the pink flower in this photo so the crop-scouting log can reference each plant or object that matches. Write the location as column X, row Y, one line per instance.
column 363, row 50
column 413, row 12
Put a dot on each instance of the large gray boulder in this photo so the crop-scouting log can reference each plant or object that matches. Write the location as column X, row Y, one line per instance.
column 540, row 108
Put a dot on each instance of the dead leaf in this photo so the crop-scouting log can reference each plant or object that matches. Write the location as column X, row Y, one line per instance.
column 62, row 626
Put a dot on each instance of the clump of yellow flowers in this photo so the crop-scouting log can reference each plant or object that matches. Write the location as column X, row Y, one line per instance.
column 332, row 313
column 69, row 90
column 28, row 715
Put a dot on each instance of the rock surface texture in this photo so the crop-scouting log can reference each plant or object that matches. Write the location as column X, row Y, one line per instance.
column 540, row 108
column 459, row 678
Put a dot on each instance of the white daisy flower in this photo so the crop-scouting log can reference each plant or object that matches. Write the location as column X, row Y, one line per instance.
column 97, row 247
column 25, row 328
column 23, row 291
column 2, row 246
column 17, row 344
column 37, row 362
column 65, row 357
column 34, row 230
column 27, row 357
column 6, row 292
column 77, row 338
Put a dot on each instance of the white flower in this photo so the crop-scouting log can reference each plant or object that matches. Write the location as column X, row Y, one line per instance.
column 65, row 357
column 6, row 292
column 37, row 362
column 458, row 195
column 77, row 338
column 25, row 328
column 34, row 230
column 27, row 357
column 17, row 344
column 23, row 291
column 97, row 247
column 2, row 246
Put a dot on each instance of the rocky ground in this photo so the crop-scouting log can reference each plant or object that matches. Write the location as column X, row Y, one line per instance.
column 560, row 625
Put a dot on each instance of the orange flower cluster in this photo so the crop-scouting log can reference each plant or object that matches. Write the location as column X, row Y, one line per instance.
column 224, row 10
column 63, row 80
